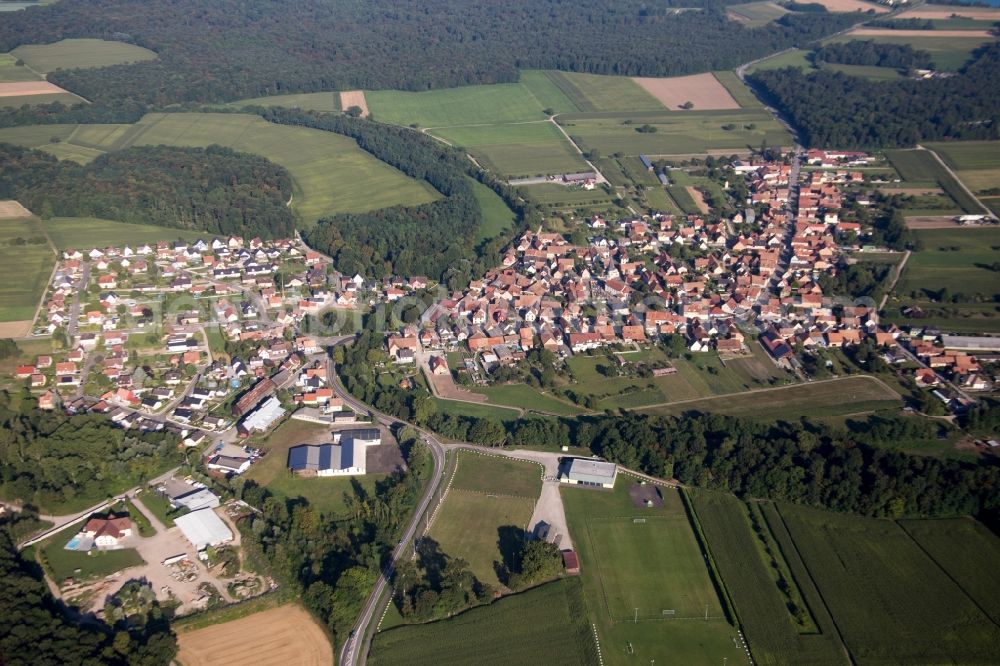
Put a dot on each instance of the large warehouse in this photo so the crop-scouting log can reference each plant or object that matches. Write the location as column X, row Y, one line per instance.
column 587, row 472
column 203, row 528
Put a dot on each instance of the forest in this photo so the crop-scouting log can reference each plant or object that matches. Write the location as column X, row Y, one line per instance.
column 215, row 190
column 834, row 109
column 47, row 458
column 435, row 239
column 873, row 54
column 222, row 50
column 36, row 630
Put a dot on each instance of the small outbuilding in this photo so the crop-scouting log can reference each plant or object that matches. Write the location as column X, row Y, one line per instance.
column 588, row 472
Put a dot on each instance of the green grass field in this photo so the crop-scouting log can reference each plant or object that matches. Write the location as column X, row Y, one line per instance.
column 853, row 395
column 594, row 92
column 80, row 53
column 740, row 92
column 11, row 72
column 748, row 575
column 548, row 95
column 24, row 269
column 87, row 232
column 545, row 625
column 794, row 58
column 320, row 101
column 35, row 136
column 529, row 149
column 330, row 173
column 476, row 410
column 560, row 196
column 486, row 104
column 653, row 566
column 755, row 14
column 482, row 529
column 688, row 133
column 866, row 72
column 17, row 101
column 497, row 216
column 526, row 397
column 977, row 163
column 920, row 166
column 947, row 53
column 892, row 602
column 497, row 475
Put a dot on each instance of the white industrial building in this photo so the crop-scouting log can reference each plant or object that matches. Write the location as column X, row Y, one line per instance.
column 262, row 418
column 346, row 456
column 204, row 528
column 588, row 472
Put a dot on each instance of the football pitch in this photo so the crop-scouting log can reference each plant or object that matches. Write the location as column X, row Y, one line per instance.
column 652, row 569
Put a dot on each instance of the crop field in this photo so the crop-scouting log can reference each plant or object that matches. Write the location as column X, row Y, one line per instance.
column 526, row 397
column 794, row 58
column 320, row 101
column 486, row 104
column 18, row 93
column 527, row 149
column 748, row 576
column 24, row 269
column 976, row 163
column 702, row 91
column 497, row 217
column 948, row 53
column 922, row 166
column 330, row 173
column 80, row 53
column 275, row 637
column 657, row 565
column 960, row 546
column 484, row 530
column 681, row 133
column 87, row 232
column 497, row 475
column 930, row 11
column 548, row 95
column 11, row 72
column 852, row 395
column 892, row 602
column 595, row 92
column 740, row 92
column 560, row 196
column 852, row 6
column 755, row 14
column 475, row 410
column 873, row 73
column 545, row 625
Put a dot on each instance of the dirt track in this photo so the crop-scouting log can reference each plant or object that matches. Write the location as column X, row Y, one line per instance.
column 699, row 200
column 354, row 98
column 29, row 88
column 283, row 636
column 703, row 90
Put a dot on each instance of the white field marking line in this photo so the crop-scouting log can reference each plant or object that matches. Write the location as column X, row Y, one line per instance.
column 745, row 646
column 597, row 641
column 392, row 593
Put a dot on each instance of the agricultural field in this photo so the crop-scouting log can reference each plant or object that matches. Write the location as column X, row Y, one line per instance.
column 325, row 494
column 276, row 637
column 548, row 95
column 11, row 72
column 545, row 625
column 851, row 395
column 922, row 167
column 475, row 410
column 747, row 568
column 701, row 91
column 892, row 602
column 595, row 92
column 526, row 397
column 497, row 475
column 19, row 93
column 976, row 163
column 560, row 196
column 793, row 58
column 486, row 104
column 654, row 566
column 330, row 173
column 852, row 6
column 951, row 279
column 497, row 216
column 931, row 11
column 526, row 149
column 80, row 53
column 26, row 263
column 739, row 90
column 87, row 232
column 680, row 133
column 320, row 101
column 756, row 14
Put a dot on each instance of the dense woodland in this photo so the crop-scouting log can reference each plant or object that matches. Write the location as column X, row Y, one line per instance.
column 834, row 109
column 873, row 54
column 47, row 458
column 214, row 189
column 221, row 50
column 437, row 239
column 37, row 632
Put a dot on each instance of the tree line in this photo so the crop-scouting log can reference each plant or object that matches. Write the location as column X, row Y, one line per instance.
column 225, row 50
column 873, row 54
column 214, row 190
column 833, row 109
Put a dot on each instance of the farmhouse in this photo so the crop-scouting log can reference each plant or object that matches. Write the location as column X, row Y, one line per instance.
column 587, row 472
column 203, row 528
